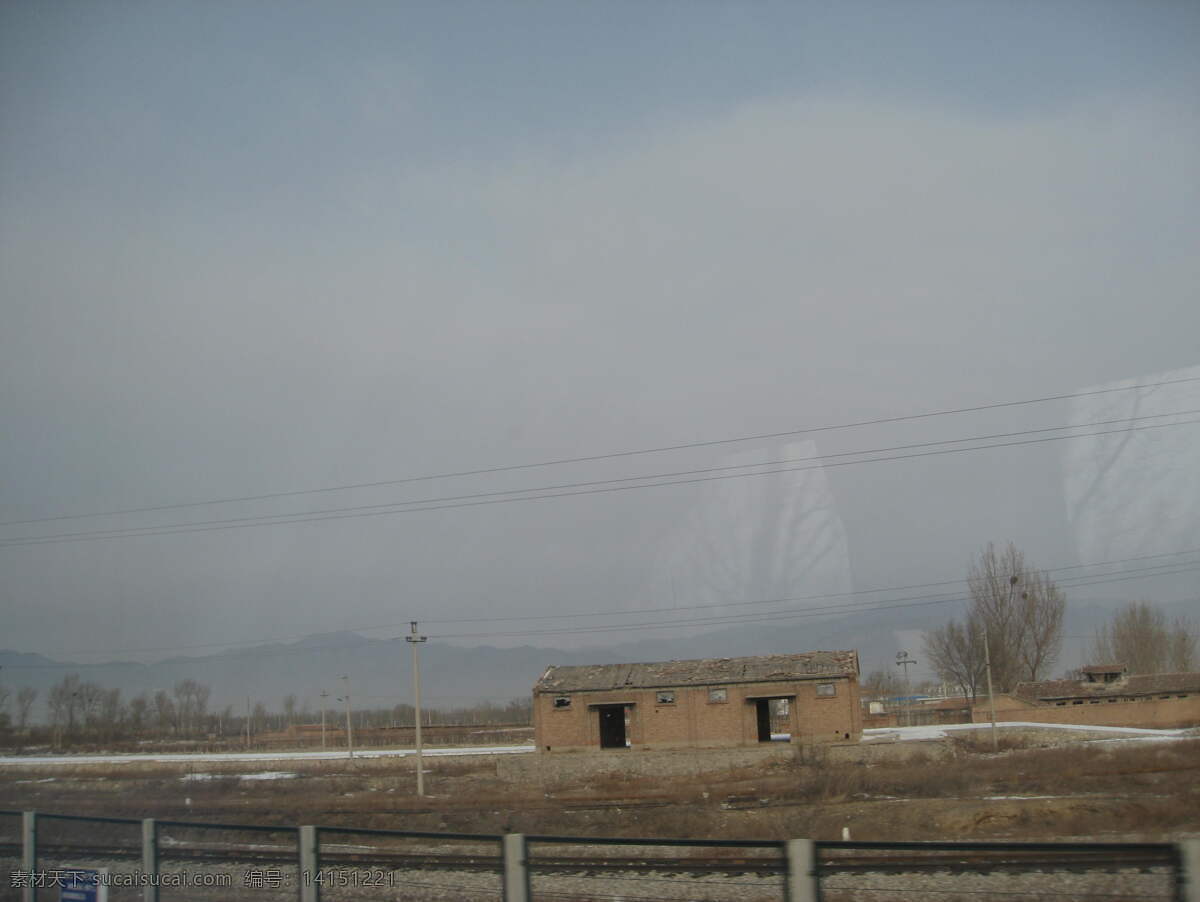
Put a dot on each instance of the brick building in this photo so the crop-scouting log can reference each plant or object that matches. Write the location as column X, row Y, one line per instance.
column 1104, row 695
column 711, row 703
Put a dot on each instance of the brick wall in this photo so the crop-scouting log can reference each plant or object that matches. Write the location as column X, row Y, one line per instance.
column 694, row 720
column 1152, row 712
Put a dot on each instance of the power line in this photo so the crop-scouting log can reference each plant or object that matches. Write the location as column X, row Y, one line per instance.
column 853, row 607
column 605, row 456
column 1081, row 581
column 782, row 600
column 772, row 617
column 625, row 612
column 575, row 489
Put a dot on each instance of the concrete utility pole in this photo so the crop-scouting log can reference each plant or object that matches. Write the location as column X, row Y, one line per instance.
column 987, row 660
column 324, row 695
column 349, row 726
column 903, row 660
column 247, row 721
column 415, row 640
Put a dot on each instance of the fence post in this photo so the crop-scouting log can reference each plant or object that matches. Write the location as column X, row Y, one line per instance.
column 1189, row 866
column 150, row 859
column 310, row 863
column 802, row 881
column 516, row 867
column 29, row 854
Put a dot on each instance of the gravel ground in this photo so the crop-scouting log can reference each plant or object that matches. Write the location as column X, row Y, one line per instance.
column 343, row 885
column 1113, row 885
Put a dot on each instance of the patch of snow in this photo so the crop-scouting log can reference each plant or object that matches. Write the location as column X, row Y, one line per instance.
column 327, row 755
column 940, row 731
column 1020, row 798
column 270, row 775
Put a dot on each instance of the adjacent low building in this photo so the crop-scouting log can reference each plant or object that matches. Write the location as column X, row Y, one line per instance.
column 710, row 703
column 1105, row 695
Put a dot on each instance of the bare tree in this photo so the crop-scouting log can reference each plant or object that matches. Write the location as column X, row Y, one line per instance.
column 191, row 705
column 1182, row 651
column 91, row 699
column 63, row 702
column 956, row 653
column 26, row 696
column 200, row 696
column 1139, row 637
column 881, row 684
column 109, row 711
column 289, row 707
column 1040, row 606
column 185, row 705
column 1021, row 611
column 259, row 720
column 164, row 710
column 138, row 713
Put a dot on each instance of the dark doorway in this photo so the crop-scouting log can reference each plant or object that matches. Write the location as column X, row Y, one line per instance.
column 763, row 710
column 612, row 726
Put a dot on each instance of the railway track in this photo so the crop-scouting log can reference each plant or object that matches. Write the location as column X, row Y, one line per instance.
column 888, row 862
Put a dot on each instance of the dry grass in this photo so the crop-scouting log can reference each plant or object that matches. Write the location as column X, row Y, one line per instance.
column 953, row 791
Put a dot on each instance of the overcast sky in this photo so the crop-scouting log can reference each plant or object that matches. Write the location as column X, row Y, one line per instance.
column 252, row 248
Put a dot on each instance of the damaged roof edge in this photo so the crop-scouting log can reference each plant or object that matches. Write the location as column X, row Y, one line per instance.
column 701, row 672
column 555, row 689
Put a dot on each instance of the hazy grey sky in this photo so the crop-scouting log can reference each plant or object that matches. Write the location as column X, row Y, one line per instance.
column 254, row 248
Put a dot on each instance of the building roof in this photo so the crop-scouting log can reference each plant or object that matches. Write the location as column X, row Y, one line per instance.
column 705, row 671
column 1103, row 668
column 1131, row 684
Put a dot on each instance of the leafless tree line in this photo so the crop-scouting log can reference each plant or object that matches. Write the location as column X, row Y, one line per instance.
column 1139, row 637
column 80, row 711
column 25, row 698
column 881, row 685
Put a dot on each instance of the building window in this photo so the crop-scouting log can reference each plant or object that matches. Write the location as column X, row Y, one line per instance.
column 562, row 701
column 665, row 697
column 826, row 690
column 718, row 695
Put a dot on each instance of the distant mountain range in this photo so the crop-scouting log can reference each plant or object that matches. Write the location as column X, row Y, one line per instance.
column 454, row 676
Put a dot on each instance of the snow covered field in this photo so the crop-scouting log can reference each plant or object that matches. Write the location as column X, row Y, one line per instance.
column 882, row 734
column 217, row 757
column 941, row 731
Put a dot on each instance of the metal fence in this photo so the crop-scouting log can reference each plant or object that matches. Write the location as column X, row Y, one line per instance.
column 164, row 861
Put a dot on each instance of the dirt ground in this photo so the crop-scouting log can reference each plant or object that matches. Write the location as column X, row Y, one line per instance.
column 950, row 790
